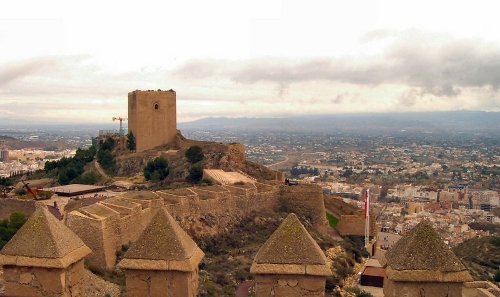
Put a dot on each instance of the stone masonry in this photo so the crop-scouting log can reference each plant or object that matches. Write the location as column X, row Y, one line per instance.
column 152, row 118
column 44, row 258
column 420, row 264
column 163, row 261
column 290, row 263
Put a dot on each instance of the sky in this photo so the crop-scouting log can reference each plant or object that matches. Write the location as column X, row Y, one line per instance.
column 75, row 61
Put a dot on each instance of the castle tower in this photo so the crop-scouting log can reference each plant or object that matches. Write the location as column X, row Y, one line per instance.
column 163, row 261
column 290, row 263
column 152, row 118
column 44, row 258
column 420, row 264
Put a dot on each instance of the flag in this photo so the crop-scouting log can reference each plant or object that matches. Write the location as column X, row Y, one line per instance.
column 367, row 203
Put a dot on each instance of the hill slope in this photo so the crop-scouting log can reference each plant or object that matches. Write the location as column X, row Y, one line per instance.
column 481, row 256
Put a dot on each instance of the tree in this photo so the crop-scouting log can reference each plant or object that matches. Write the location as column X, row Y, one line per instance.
column 131, row 141
column 9, row 227
column 195, row 174
column 106, row 160
column 108, row 144
column 156, row 169
column 194, row 154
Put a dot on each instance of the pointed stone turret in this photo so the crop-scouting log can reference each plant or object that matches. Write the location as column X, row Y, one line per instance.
column 44, row 258
column 163, row 261
column 290, row 263
column 421, row 263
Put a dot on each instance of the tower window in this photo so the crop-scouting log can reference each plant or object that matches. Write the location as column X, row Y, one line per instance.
column 156, row 106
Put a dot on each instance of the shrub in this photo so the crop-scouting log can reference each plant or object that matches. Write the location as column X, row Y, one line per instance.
column 194, row 154
column 207, row 181
column 9, row 227
column 195, row 174
column 156, row 169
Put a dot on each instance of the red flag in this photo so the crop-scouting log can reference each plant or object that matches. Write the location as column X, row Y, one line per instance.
column 367, row 203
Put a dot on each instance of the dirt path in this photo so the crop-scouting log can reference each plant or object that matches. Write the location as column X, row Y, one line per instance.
column 100, row 170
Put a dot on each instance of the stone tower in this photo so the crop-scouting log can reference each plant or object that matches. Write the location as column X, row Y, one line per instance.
column 290, row 263
column 44, row 258
column 163, row 261
column 152, row 118
column 420, row 264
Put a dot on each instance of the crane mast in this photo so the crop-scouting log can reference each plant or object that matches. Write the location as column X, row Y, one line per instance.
column 121, row 120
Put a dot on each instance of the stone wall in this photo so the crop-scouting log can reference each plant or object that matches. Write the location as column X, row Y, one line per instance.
column 100, row 233
column 9, row 205
column 39, row 281
column 290, row 285
column 161, row 283
column 351, row 218
column 416, row 288
column 305, row 200
column 107, row 225
column 355, row 225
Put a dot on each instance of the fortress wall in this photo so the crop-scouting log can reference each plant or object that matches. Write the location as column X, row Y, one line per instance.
column 100, row 235
column 236, row 152
column 169, row 198
column 338, row 207
column 8, row 206
column 306, row 200
column 355, row 225
column 141, row 213
column 131, row 208
column 104, row 227
column 236, row 191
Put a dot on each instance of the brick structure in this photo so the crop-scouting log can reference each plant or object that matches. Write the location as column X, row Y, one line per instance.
column 152, row 118
column 44, row 258
column 163, row 261
column 420, row 264
column 290, row 263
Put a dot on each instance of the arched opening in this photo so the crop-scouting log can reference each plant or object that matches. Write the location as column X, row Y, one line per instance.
column 157, row 106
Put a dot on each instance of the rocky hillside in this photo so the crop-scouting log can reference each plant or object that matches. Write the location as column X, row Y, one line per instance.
column 481, row 256
column 217, row 156
column 229, row 254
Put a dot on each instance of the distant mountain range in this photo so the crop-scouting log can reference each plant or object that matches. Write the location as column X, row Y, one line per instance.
column 357, row 123
column 425, row 122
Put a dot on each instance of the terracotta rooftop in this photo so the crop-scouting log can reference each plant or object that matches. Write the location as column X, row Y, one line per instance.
column 290, row 250
column 423, row 249
column 163, row 246
column 43, row 241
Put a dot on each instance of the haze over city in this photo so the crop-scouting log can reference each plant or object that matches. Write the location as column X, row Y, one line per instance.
column 68, row 63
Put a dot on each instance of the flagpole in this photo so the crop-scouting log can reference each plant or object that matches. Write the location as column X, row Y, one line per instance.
column 367, row 218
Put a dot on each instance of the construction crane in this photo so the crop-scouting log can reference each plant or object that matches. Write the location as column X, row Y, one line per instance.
column 121, row 120
column 28, row 188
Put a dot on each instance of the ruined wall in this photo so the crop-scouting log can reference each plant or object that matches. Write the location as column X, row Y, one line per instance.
column 8, row 206
column 152, row 117
column 306, row 200
column 236, row 152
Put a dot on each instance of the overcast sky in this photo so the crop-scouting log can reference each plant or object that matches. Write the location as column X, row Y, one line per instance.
column 75, row 61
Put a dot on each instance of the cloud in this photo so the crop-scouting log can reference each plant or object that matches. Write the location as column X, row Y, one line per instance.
column 19, row 69
column 339, row 98
column 438, row 64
